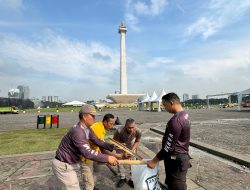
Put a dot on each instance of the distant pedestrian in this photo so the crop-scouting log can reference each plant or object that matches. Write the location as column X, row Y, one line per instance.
column 129, row 135
column 175, row 144
column 74, row 145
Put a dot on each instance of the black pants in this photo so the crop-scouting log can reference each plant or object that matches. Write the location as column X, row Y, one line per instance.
column 176, row 168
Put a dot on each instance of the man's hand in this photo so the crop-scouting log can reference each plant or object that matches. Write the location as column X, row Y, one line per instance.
column 116, row 147
column 119, row 156
column 123, row 155
column 112, row 161
column 126, row 155
column 152, row 163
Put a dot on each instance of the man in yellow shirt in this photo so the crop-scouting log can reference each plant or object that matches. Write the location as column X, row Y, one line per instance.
column 100, row 129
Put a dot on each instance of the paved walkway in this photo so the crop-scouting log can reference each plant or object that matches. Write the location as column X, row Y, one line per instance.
column 33, row 172
column 239, row 158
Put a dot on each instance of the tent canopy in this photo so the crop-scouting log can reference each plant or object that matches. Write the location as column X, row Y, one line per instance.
column 153, row 97
column 146, row 98
column 74, row 103
column 160, row 96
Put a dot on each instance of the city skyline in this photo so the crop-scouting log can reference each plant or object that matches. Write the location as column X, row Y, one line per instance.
column 72, row 49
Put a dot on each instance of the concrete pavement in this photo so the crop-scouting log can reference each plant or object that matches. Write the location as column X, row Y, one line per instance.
column 34, row 172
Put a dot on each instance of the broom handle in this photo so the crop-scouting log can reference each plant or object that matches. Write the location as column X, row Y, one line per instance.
column 132, row 162
column 124, row 148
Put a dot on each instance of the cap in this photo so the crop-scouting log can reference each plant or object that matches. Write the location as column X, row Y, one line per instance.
column 86, row 108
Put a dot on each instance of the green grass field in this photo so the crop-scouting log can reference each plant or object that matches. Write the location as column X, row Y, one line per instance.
column 76, row 109
column 53, row 110
column 32, row 140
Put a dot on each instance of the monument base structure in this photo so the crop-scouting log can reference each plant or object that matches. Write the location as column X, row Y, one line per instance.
column 124, row 98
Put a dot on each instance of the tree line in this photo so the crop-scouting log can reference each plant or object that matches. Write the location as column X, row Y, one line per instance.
column 20, row 103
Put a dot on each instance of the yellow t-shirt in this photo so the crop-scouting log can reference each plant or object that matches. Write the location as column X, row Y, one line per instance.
column 100, row 132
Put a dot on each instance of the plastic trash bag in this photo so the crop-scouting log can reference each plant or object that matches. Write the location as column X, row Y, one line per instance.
column 145, row 178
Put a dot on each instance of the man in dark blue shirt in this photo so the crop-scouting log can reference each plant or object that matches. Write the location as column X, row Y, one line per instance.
column 175, row 144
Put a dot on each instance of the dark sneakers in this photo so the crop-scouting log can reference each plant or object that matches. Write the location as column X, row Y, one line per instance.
column 121, row 182
column 131, row 183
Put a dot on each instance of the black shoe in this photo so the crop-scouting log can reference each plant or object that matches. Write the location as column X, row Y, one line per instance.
column 131, row 183
column 121, row 182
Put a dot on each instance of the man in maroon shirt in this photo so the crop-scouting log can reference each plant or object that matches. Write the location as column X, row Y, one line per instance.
column 74, row 145
column 175, row 144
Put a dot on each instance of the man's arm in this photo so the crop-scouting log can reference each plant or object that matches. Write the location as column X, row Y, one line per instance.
column 152, row 163
column 174, row 131
column 102, row 144
column 172, row 136
column 137, row 140
column 81, row 143
column 117, row 155
column 135, row 145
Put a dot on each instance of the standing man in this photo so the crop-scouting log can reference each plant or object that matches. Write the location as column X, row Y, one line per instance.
column 129, row 135
column 175, row 144
column 99, row 129
column 74, row 145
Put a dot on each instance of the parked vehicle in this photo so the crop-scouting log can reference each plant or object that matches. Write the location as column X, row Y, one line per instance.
column 246, row 104
column 5, row 110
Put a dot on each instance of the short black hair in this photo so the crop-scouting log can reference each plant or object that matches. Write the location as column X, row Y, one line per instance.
column 107, row 117
column 129, row 121
column 171, row 97
column 80, row 115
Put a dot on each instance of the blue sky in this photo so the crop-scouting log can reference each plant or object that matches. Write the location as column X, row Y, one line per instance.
column 71, row 49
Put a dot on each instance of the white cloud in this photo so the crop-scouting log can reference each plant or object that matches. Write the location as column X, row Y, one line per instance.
column 57, row 54
column 204, row 26
column 51, row 60
column 220, row 13
column 154, row 8
column 136, row 9
column 11, row 4
column 159, row 62
column 52, row 57
column 233, row 66
column 132, row 21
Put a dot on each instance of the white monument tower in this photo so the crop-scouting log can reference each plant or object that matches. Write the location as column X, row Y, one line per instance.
column 123, row 66
column 123, row 97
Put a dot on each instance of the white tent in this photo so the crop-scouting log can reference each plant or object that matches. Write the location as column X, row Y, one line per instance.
column 159, row 100
column 151, row 101
column 74, row 103
column 240, row 94
column 141, row 103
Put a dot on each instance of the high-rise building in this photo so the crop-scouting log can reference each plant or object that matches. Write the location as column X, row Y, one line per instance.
column 14, row 93
column 50, row 98
column 195, row 96
column 44, row 98
column 185, row 97
column 24, row 92
column 56, row 98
